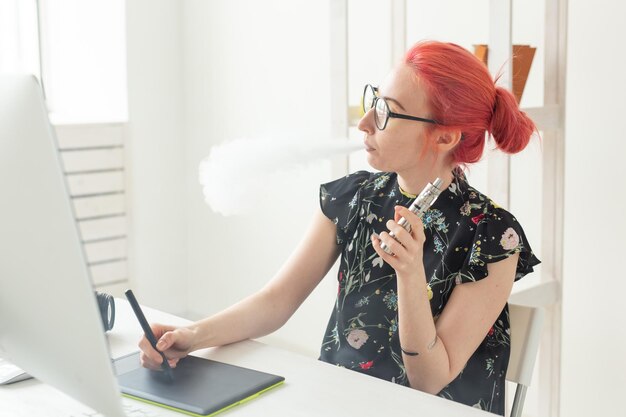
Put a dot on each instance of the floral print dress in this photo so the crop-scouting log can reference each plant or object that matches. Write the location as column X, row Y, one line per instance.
column 465, row 231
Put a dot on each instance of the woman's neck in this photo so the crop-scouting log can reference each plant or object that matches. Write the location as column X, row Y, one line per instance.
column 414, row 182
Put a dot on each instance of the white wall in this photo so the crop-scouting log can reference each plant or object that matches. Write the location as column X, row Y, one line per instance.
column 156, row 154
column 594, row 287
column 201, row 73
column 255, row 69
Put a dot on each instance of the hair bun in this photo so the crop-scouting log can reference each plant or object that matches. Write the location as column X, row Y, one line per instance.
column 510, row 127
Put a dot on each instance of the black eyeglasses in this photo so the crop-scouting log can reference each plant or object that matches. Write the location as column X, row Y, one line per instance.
column 382, row 113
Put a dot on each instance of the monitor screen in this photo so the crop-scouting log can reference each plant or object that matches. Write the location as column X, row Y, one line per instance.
column 49, row 320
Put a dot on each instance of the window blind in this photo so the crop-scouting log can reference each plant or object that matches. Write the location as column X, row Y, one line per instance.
column 93, row 164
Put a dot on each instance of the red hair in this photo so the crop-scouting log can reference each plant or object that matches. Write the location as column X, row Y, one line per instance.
column 464, row 97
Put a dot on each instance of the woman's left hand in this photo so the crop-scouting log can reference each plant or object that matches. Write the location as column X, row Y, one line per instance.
column 408, row 249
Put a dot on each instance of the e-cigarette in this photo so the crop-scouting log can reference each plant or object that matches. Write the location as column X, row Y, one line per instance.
column 419, row 206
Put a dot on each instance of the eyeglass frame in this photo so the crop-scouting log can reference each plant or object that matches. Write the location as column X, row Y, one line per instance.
column 390, row 114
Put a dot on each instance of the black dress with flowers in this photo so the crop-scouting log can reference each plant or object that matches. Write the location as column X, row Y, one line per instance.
column 465, row 231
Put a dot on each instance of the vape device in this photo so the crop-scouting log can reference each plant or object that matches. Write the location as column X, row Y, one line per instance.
column 419, row 206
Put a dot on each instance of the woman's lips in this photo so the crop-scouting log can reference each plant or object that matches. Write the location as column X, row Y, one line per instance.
column 368, row 148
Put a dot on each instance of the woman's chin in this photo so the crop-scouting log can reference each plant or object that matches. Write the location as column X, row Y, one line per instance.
column 375, row 163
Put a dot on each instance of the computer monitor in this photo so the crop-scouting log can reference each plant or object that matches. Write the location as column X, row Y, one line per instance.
column 49, row 319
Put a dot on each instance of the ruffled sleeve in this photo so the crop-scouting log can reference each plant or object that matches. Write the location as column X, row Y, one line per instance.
column 497, row 236
column 340, row 202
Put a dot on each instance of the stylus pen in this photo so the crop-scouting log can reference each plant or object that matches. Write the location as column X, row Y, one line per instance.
column 147, row 330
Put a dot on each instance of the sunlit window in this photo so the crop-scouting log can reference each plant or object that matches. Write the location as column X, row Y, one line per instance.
column 82, row 48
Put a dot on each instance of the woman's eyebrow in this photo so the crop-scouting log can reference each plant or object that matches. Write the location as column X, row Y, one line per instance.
column 394, row 101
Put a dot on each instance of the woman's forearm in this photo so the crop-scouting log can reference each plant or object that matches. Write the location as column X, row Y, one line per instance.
column 254, row 316
column 429, row 370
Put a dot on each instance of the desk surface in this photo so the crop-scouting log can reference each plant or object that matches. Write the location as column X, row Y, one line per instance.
column 312, row 388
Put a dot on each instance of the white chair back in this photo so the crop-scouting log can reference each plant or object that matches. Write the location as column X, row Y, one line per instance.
column 526, row 327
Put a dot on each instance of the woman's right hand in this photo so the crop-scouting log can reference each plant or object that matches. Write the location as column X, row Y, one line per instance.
column 174, row 342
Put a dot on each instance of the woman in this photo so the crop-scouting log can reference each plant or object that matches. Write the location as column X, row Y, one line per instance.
column 432, row 315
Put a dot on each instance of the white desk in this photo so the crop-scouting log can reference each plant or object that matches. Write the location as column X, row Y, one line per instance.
column 311, row 388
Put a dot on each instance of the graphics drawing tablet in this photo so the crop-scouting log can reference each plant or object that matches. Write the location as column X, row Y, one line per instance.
column 199, row 387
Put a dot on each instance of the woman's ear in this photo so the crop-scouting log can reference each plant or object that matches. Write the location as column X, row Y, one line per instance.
column 447, row 140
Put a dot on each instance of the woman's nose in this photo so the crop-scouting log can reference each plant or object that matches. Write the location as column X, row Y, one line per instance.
column 366, row 124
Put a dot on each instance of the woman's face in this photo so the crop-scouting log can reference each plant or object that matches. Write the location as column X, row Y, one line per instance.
column 400, row 146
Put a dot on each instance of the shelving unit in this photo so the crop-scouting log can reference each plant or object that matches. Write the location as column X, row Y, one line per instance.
column 550, row 121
